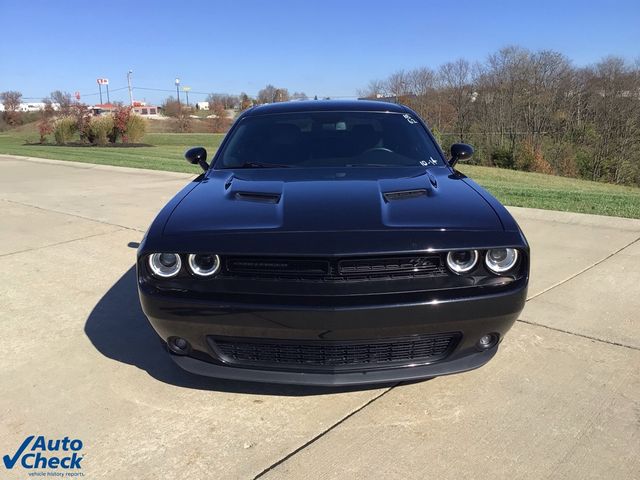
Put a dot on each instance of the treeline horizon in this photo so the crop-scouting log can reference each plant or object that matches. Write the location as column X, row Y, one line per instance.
column 530, row 110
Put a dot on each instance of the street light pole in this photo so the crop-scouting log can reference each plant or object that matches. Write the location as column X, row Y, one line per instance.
column 129, row 85
column 178, row 90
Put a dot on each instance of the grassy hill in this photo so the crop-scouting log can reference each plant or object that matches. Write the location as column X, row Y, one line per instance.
column 515, row 188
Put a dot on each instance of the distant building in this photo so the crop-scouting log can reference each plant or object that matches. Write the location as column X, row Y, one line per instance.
column 141, row 108
column 32, row 107
column 202, row 106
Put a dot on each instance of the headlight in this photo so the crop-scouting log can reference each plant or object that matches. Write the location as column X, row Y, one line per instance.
column 204, row 265
column 499, row 260
column 462, row 261
column 165, row 265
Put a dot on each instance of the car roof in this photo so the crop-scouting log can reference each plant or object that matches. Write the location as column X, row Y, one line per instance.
column 326, row 106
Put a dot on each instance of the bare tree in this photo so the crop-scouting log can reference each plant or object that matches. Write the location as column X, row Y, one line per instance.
column 11, row 102
column 375, row 89
column 455, row 79
column 267, row 94
column 532, row 110
column 64, row 101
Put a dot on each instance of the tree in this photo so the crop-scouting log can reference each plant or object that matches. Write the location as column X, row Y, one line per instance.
column 397, row 85
column 531, row 110
column 171, row 107
column 375, row 89
column 11, row 101
column 64, row 101
column 456, row 82
column 299, row 96
column 271, row 94
column 267, row 94
column 245, row 101
column 220, row 121
column 227, row 101
column 45, row 125
column 281, row 95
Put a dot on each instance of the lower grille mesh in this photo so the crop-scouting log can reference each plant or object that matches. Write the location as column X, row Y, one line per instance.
column 334, row 355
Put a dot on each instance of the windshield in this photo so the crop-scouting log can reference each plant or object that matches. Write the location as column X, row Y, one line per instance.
column 329, row 139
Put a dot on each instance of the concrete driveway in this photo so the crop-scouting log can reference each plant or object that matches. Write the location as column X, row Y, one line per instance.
column 561, row 399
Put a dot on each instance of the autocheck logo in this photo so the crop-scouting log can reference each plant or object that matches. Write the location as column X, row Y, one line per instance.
column 38, row 452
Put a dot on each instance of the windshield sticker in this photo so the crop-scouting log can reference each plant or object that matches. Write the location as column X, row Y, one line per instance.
column 409, row 118
column 426, row 163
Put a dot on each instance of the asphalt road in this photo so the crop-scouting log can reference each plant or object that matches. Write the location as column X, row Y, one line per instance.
column 561, row 399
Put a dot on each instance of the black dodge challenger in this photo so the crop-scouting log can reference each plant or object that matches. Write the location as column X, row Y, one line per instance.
column 332, row 243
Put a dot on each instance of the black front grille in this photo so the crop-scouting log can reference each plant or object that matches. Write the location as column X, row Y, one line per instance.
column 330, row 355
column 340, row 269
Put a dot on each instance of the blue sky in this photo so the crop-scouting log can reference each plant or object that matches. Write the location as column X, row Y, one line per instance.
column 328, row 48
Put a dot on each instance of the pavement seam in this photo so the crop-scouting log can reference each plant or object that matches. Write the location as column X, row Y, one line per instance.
column 576, row 334
column 582, row 335
column 586, row 269
column 60, row 243
column 71, row 215
column 321, row 434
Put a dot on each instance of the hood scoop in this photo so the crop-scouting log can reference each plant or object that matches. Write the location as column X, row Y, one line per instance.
column 404, row 194
column 260, row 197
column 253, row 191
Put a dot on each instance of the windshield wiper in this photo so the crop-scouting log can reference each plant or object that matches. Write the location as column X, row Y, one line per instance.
column 262, row 165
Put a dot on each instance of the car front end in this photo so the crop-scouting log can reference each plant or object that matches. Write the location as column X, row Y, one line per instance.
column 332, row 244
column 336, row 319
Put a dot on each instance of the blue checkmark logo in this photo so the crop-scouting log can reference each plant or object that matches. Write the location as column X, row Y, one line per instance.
column 10, row 462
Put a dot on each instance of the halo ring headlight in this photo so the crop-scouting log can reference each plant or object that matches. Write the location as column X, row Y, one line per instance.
column 165, row 265
column 501, row 260
column 462, row 261
column 204, row 265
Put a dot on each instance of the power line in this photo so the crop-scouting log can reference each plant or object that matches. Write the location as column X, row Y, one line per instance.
column 191, row 92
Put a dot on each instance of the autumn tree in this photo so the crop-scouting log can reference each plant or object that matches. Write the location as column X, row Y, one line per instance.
column 11, row 102
column 245, row 101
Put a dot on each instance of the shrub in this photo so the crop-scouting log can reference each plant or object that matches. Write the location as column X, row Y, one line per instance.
column 101, row 127
column 136, row 127
column 64, row 129
column 82, row 117
column 524, row 157
column 181, row 124
column 120, row 119
column 502, row 157
column 45, row 127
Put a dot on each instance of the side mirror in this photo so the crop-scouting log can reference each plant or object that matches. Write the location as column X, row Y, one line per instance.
column 197, row 155
column 460, row 152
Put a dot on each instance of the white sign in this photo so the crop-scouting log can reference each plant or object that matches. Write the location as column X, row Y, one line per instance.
column 103, row 81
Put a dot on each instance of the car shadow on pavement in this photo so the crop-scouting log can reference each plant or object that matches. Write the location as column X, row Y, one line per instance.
column 119, row 330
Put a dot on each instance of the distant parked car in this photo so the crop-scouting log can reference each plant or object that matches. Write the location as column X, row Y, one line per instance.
column 332, row 243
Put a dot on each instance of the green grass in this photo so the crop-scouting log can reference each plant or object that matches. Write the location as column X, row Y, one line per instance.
column 535, row 190
column 165, row 154
column 511, row 187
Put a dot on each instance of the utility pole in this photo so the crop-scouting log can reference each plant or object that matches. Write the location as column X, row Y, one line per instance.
column 129, row 85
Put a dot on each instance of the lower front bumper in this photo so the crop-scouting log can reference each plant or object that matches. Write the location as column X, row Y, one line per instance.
column 197, row 320
column 463, row 364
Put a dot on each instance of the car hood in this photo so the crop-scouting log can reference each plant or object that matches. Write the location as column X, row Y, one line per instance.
column 327, row 199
